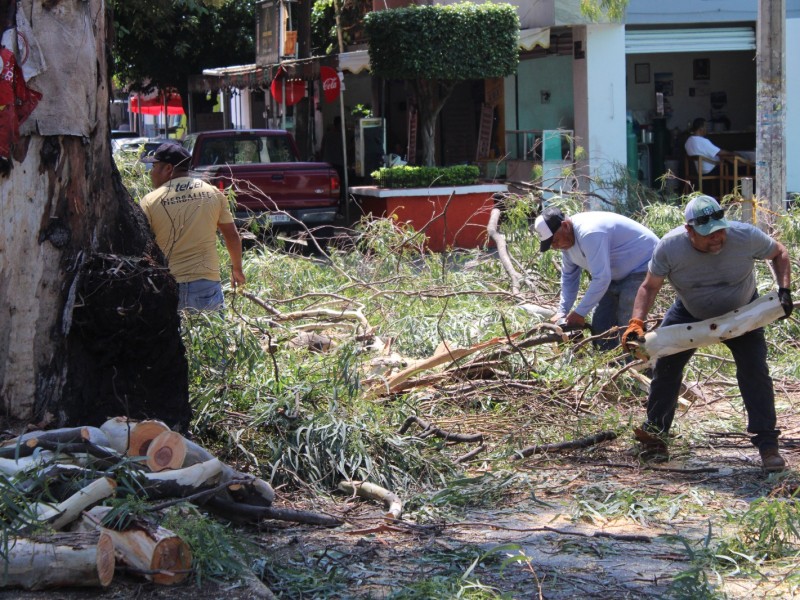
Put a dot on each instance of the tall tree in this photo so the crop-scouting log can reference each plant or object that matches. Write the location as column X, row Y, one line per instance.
column 160, row 43
column 435, row 47
column 89, row 325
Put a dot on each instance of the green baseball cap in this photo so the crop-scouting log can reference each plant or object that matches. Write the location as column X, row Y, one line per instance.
column 705, row 215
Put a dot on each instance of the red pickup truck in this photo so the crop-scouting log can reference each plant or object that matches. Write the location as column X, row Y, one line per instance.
column 271, row 183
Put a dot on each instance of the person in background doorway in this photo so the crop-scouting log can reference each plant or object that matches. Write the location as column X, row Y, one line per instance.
column 613, row 249
column 185, row 213
column 697, row 144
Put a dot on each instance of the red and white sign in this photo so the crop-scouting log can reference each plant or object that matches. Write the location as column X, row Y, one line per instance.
column 295, row 88
column 331, row 86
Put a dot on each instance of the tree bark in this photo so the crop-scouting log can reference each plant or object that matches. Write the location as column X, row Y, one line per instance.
column 163, row 557
column 90, row 326
column 74, row 559
column 431, row 94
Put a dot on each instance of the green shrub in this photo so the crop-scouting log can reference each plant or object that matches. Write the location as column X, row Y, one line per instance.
column 421, row 177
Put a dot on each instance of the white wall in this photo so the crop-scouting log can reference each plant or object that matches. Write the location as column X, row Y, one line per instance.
column 600, row 103
column 793, row 105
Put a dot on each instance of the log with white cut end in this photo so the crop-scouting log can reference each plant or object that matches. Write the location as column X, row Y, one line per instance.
column 62, row 560
column 155, row 552
column 672, row 339
column 365, row 489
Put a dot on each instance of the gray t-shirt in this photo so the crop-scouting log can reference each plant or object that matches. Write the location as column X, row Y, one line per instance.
column 708, row 284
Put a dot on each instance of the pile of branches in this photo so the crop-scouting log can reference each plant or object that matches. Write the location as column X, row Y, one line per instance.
column 57, row 532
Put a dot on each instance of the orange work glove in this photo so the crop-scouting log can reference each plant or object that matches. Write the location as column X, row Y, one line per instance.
column 634, row 331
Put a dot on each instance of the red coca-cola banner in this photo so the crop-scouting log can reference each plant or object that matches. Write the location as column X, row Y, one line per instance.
column 330, row 83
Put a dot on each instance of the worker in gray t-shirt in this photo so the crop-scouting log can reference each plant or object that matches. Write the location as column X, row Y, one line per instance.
column 613, row 249
column 709, row 261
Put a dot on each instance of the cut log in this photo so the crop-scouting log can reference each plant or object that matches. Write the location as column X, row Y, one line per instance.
column 672, row 339
column 166, row 451
column 144, row 432
column 118, row 432
column 66, row 559
column 259, row 490
column 180, row 483
column 132, row 437
column 365, row 489
column 155, row 552
column 67, row 435
column 70, row 509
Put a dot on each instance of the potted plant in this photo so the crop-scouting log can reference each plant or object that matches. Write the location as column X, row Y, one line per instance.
column 448, row 204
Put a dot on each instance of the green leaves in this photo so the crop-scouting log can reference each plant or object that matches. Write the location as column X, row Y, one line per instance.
column 429, row 41
column 422, row 177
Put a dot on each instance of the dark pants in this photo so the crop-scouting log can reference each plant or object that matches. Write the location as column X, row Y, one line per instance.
column 750, row 354
column 615, row 309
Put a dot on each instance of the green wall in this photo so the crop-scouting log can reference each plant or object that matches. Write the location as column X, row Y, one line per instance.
column 553, row 75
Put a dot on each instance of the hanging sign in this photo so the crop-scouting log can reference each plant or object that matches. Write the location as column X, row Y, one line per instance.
column 295, row 89
column 330, row 83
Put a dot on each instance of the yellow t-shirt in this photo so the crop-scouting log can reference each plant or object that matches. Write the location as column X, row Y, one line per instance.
column 184, row 214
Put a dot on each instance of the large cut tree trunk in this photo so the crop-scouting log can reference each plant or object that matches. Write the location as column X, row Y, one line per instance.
column 88, row 327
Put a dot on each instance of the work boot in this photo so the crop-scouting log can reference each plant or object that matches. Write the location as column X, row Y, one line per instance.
column 771, row 459
column 652, row 446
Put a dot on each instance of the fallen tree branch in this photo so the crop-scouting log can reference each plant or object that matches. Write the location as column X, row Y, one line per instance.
column 584, row 442
column 502, row 249
column 70, row 509
column 470, row 455
column 238, row 512
column 429, row 430
column 371, row 491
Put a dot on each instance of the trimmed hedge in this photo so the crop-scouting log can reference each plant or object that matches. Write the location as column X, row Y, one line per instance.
column 422, row 177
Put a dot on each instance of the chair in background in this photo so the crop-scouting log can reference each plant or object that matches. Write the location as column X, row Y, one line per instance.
column 711, row 184
column 737, row 168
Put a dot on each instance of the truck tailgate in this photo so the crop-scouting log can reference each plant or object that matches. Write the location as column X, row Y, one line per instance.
column 281, row 186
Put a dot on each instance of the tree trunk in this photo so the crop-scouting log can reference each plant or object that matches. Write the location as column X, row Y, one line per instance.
column 89, row 327
column 431, row 95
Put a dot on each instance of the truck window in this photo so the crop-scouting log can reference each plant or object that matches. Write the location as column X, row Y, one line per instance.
column 279, row 149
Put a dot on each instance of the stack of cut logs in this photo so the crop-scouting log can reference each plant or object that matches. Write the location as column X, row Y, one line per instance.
column 76, row 469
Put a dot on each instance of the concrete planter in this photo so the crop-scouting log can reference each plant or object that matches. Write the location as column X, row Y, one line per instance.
column 452, row 217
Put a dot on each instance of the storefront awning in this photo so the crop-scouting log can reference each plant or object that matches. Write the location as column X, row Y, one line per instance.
column 156, row 103
column 530, row 38
column 355, row 61
column 240, row 77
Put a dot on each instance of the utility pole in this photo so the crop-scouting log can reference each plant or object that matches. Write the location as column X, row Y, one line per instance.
column 771, row 108
column 337, row 4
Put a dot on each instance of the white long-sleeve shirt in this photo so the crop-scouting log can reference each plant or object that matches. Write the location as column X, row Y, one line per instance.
column 609, row 247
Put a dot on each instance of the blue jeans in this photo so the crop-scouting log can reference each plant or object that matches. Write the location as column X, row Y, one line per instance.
column 615, row 309
column 200, row 295
column 750, row 355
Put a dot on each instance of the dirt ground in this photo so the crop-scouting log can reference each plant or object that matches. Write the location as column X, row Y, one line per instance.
column 591, row 523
